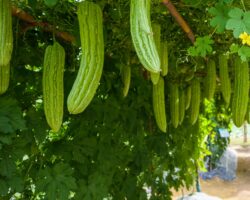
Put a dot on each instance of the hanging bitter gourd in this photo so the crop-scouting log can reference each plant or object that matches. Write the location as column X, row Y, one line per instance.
column 6, row 35
column 159, row 105
column 182, row 105
column 164, row 58
column 91, row 66
column 53, row 69
column 241, row 91
column 157, row 38
column 210, row 80
column 4, row 78
column 126, row 78
column 247, row 4
column 195, row 100
column 142, row 36
column 224, row 78
column 174, row 104
column 187, row 97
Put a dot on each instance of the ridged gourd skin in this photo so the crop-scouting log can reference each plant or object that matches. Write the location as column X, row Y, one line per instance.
column 91, row 66
column 247, row 4
column 182, row 105
column 210, row 80
column 164, row 58
column 142, row 36
column 157, row 38
column 174, row 104
column 241, row 91
column 53, row 92
column 4, row 78
column 126, row 79
column 225, row 78
column 187, row 97
column 195, row 101
column 159, row 105
column 6, row 35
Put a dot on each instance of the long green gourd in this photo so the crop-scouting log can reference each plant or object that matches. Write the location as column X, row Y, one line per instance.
column 142, row 36
column 53, row 96
column 247, row 4
column 182, row 105
column 195, row 100
column 187, row 97
column 126, row 79
column 6, row 35
column 224, row 78
column 174, row 104
column 4, row 78
column 210, row 80
column 157, row 38
column 164, row 58
column 90, row 71
column 241, row 91
column 159, row 105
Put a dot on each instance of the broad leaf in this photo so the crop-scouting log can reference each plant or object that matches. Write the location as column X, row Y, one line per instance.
column 7, row 165
column 244, row 53
column 202, row 47
column 50, row 3
column 11, row 118
column 3, row 187
column 57, row 182
column 239, row 22
column 220, row 13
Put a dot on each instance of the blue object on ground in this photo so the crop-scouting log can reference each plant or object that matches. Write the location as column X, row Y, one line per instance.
column 224, row 133
column 226, row 167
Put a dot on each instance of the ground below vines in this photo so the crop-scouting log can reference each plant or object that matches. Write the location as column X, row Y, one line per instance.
column 238, row 189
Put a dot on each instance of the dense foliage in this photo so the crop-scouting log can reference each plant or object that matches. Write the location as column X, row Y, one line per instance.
column 114, row 149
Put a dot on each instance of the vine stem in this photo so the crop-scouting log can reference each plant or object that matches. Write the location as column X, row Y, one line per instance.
column 22, row 15
column 180, row 20
column 243, row 4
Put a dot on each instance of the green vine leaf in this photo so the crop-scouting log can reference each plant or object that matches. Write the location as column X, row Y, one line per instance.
column 50, row 3
column 57, row 182
column 239, row 21
column 220, row 13
column 11, row 118
column 234, row 48
column 244, row 53
column 3, row 187
column 202, row 47
column 7, row 165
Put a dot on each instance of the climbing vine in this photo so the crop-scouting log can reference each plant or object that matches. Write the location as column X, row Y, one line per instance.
column 114, row 149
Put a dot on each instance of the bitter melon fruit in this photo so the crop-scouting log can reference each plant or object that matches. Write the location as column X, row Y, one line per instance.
column 142, row 35
column 126, row 78
column 210, row 80
column 188, row 97
column 4, row 78
column 182, row 105
column 241, row 91
column 157, row 38
column 195, row 100
column 224, row 78
column 91, row 66
column 174, row 104
column 164, row 58
column 159, row 105
column 53, row 96
column 6, row 35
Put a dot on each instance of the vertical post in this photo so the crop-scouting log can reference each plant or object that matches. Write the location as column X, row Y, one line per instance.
column 245, row 132
column 197, row 180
